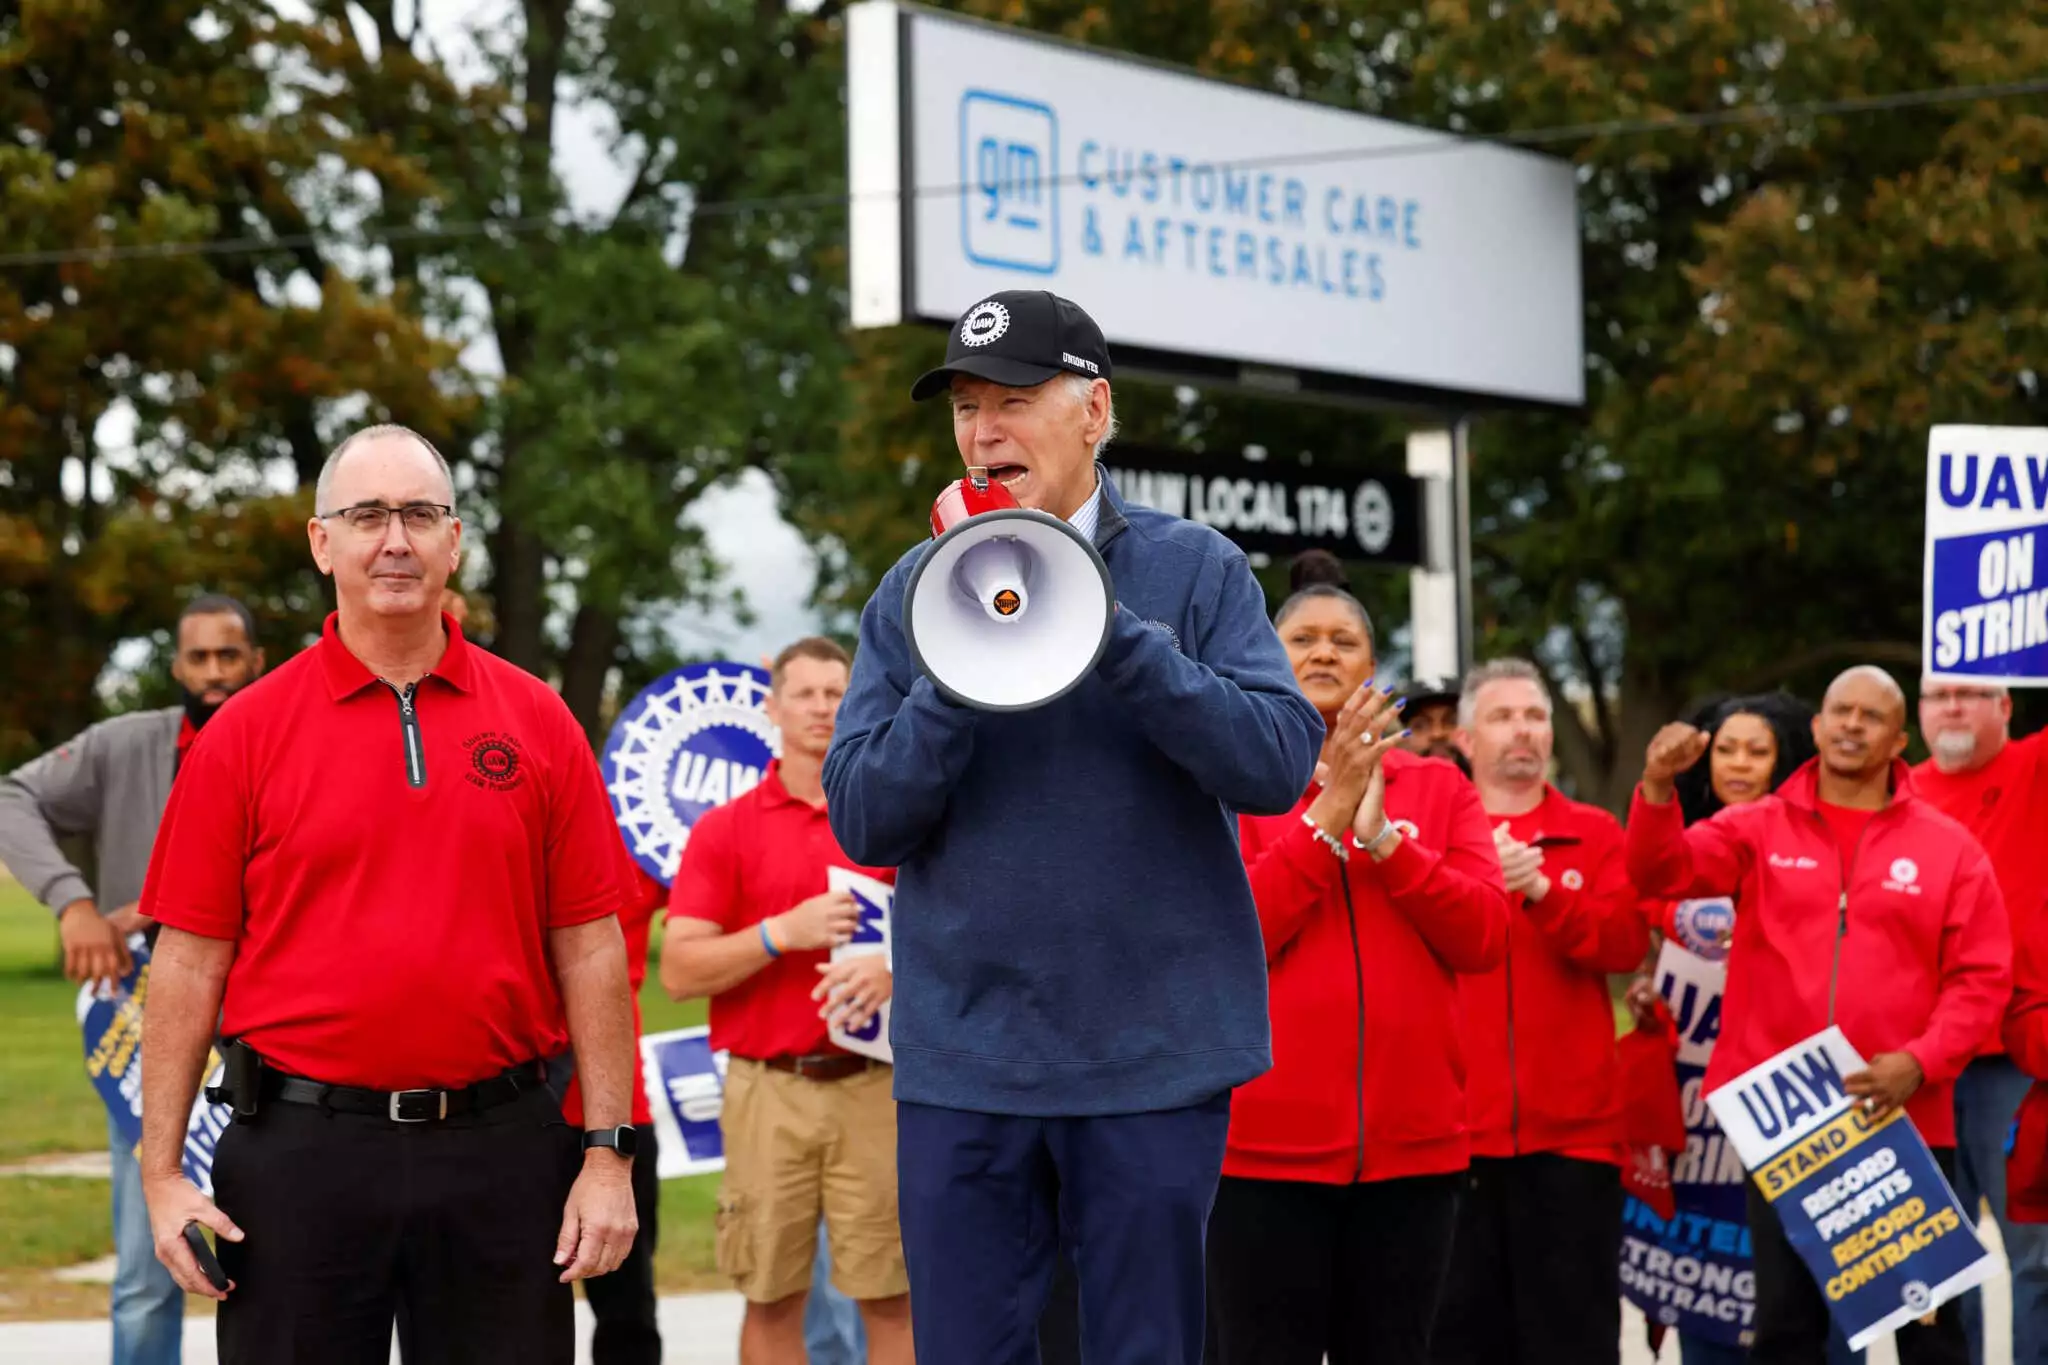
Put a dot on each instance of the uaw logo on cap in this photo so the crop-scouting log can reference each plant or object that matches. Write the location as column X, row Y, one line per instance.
column 693, row 739
column 984, row 324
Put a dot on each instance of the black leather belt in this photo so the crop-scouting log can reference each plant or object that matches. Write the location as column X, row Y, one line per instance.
column 406, row 1106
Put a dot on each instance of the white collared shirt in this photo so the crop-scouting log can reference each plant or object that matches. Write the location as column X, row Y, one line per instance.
column 1089, row 514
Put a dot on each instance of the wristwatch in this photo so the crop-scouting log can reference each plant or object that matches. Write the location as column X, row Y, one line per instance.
column 621, row 1139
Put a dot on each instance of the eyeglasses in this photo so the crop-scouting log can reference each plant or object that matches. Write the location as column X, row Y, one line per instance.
column 1959, row 696
column 418, row 518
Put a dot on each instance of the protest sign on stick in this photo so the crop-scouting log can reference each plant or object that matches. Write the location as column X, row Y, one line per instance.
column 1985, row 604
column 1861, row 1199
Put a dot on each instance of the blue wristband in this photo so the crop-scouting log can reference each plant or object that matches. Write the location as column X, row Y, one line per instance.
column 767, row 942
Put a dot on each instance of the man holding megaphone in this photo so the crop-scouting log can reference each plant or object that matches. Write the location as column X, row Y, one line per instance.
column 1058, row 706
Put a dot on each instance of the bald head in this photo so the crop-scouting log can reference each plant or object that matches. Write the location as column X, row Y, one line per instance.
column 1861, row 727
column 388, row 440
column 1872, row 676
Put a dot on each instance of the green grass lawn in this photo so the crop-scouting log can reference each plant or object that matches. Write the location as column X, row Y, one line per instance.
column 49, row 1107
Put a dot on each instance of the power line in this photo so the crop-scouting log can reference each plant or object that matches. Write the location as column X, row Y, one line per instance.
column 1432, row 142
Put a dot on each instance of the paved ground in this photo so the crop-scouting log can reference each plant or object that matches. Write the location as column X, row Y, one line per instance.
column 698, row 1329
column 703, row 1329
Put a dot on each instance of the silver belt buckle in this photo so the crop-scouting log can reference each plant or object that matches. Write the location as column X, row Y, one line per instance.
column 398, row 1098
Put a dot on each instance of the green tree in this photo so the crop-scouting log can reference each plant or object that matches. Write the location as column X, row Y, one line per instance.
column 1776, row 311
column 649, row 349
column 159, row 136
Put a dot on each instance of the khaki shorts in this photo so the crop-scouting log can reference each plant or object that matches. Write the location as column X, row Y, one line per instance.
column 796, row 1148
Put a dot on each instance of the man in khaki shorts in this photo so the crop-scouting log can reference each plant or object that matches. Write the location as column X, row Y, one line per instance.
column 808, row 1127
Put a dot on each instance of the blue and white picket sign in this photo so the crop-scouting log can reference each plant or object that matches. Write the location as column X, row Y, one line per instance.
column 1694, row 1273
column 686, row 1092
column 1861, row 1200
column 875, row 899
column 693, row 739
column 1985, row 608
column 110, row 1017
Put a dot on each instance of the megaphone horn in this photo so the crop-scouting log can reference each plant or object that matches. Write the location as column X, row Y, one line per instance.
column 1010, row 608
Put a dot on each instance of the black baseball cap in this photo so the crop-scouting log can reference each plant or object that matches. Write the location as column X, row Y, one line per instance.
column 1019, row 338
column 1424, row 691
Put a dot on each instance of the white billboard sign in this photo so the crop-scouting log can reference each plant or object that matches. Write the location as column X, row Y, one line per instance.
column 1208, row 227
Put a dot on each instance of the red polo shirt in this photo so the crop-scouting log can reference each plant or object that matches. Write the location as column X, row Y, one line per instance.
column 389, row 886
column 756, row 856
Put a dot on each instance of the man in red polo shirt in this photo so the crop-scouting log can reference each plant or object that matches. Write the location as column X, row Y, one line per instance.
column 807, row 1126
column 389, row 871
column 1534, row 1263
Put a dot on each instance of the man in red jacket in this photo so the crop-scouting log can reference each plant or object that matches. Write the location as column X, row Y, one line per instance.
column 1535, row 1263
column 1997, row 788
column 1859, row 905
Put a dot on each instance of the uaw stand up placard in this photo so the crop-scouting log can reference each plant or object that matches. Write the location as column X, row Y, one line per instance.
column 110, row 1015
column 1861, row 1199
column 692, row 740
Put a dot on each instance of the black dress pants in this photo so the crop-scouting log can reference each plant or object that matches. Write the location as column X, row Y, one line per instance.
column 623, row 1301
column 1300, row 1273
column 351, row 1221
column 1536, row 1272
column 1792, row 1314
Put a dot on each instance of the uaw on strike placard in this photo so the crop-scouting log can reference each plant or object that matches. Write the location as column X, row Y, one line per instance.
column 1861, row 1199
column 1985, row 608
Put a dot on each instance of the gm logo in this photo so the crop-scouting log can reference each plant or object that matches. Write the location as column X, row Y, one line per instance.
column 1009, row 164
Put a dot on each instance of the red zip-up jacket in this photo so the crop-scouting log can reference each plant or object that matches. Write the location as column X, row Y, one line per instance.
column 1540, row 1027
column 1906, row 933
column 1368, row 1075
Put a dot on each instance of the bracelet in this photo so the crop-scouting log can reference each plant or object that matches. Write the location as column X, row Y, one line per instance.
column 1372, row 844
column 1334, row 844
column 768, row 941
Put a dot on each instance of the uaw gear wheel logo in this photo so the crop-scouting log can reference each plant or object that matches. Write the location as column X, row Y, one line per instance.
column 1372, row 516
column 1916, row 1296
column 987, row 322
column 693, row 739
column 1701, row 923
column 493, row 760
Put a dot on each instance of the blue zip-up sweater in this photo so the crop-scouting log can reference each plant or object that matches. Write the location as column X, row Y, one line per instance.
column 1073, row 932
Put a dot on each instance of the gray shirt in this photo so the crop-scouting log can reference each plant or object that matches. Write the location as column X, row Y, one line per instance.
column 109, row 784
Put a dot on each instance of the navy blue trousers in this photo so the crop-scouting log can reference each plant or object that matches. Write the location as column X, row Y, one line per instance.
column 987, row 1201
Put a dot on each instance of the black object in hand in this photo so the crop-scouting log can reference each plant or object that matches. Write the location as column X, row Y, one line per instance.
column 202, row 1253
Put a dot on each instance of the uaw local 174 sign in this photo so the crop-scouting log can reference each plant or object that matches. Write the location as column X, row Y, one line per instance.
column 1861, row 1199
column 1693, row 1273
column 1985, row 611
column 111, row 1018
column 693, row 739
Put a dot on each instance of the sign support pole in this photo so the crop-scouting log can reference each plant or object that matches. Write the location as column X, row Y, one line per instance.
column 1436, row 633
column 1461, row 525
